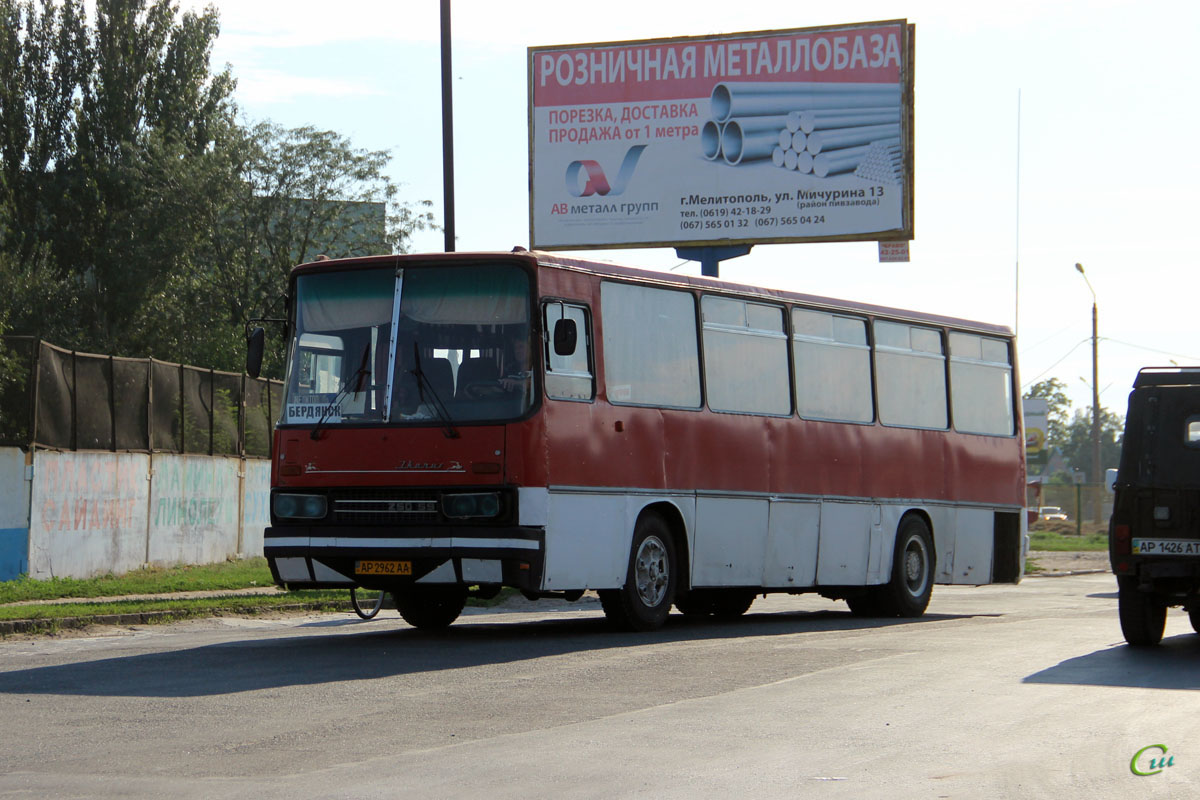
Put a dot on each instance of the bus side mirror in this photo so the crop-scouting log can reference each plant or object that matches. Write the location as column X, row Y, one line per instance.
column 254, row 352
column 566, row 337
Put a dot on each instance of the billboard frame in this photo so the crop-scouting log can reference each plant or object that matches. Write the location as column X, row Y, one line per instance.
column 905, row 231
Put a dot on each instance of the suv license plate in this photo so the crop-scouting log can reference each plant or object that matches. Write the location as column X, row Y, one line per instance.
column 383, row 568
column 1166, row 547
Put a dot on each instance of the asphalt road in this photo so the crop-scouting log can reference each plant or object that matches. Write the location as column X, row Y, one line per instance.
column 999, row 691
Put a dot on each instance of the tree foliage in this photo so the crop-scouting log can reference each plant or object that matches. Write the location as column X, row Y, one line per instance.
column 137, row 216
column 1070, row 433
column 1077, row 444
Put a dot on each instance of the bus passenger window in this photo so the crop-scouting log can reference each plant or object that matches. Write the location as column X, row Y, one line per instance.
column 911, row 368
column 745, row 357
column 651, row 356
column 833, row 366
column 981, row 390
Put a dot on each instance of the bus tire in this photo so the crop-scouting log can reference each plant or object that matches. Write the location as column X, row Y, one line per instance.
column 1143, row 616
column 644, row 602
column 1194, row 616
column 907, row 593
column 431, row 608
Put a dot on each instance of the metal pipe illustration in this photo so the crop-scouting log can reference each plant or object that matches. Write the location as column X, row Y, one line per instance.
column 845, row 160
column 838, row 138
column 710, row 140
column 809, row 121
column 745, row 140
column 729, row 100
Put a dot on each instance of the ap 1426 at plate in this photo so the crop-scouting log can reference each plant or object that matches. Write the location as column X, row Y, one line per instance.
column 1166, row 547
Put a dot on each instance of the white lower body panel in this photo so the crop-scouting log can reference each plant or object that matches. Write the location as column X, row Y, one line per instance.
column 777, row 543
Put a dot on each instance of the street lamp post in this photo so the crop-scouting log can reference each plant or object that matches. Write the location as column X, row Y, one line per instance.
column 1096, row 472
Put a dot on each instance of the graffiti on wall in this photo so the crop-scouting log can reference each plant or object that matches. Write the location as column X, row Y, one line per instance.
column 88, row 513
column 92, row 513
column 194, row 492
column 90, row 493
column 194, row 509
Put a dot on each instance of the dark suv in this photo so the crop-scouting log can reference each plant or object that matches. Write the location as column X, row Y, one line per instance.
column 1154, row 533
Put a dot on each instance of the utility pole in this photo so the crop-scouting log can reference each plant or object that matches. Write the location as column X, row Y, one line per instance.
column 1097, row 472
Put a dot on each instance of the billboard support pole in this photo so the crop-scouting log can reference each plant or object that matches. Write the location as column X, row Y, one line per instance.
column 710, row 258
column 447, row 129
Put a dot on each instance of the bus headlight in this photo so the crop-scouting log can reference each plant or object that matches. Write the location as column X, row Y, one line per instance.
column 460, row 506
column 299, row 506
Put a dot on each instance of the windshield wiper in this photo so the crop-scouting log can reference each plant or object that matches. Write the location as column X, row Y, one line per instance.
column 356, row 380
column 423, row 384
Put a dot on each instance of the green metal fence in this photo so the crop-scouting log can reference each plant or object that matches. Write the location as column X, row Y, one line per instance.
column 62, row 399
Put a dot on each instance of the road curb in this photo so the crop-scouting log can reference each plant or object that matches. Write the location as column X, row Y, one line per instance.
column 43, row 624
column 1066, row 573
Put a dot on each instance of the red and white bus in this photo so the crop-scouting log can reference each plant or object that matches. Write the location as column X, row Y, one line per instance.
column 457, row 423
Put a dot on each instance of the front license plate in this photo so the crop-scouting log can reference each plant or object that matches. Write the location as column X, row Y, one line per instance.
column 383, row 568
column 1166, row 547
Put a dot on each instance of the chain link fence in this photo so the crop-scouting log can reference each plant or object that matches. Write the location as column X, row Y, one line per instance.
column 65, row 400
column 1086, row 502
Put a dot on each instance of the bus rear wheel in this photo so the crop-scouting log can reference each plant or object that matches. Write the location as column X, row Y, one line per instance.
column 431, row 608
column 1143, row 616
column 907, row 593
column 644, row 602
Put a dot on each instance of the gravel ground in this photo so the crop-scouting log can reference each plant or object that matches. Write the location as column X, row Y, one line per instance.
column 1053, row 561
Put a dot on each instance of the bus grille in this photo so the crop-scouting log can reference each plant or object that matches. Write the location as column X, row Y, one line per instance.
column 384, row 506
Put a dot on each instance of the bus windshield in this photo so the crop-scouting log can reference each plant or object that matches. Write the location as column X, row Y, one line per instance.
column 422, row 345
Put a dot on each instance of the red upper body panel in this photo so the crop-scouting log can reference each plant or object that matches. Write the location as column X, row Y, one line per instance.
column 597, row 444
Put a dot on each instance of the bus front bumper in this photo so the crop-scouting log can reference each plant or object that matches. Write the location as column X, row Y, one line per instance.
column 326, row 557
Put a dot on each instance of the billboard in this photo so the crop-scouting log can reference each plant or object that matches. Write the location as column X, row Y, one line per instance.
column 1036, row 411
column 777, row 136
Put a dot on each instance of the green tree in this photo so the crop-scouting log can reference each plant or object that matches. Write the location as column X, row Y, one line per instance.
column 295, row 194
column 1077, row 447
column 103, row 129
column 153, row 119
column 44, row 60
column 136, row 216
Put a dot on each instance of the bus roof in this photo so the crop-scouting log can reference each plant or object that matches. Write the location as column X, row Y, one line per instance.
column 604, row 269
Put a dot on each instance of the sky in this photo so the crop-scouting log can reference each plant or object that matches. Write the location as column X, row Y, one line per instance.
column 1047, row 134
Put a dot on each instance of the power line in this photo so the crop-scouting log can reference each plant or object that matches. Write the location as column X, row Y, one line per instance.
column 1055, row 335
column 1154, row 350
column 1033, row 380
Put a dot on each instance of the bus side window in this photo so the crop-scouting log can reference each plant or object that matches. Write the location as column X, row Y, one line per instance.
column 569, row 374
column 910, row 367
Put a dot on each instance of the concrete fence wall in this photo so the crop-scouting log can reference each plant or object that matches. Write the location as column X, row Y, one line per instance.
column 14, row 514
column 79, row 514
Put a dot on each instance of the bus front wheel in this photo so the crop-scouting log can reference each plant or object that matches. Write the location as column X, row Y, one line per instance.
column 431, row 608
column 644, row 602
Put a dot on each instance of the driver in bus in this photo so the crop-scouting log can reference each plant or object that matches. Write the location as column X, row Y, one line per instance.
column 517, row 372
column 407, row 402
